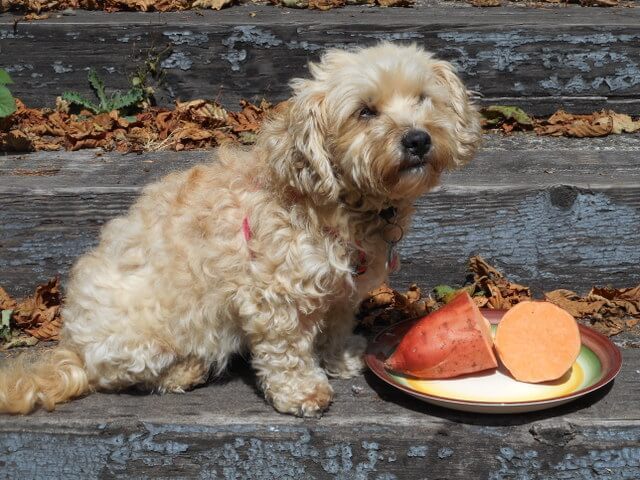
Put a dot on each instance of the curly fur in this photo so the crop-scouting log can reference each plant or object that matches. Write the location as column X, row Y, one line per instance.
column 174, row 288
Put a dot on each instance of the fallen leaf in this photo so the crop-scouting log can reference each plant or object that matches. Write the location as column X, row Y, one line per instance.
column 385, row 306
column 324, row 4
column 597, row 124
column 6, row 301
column 573, row 303
column 292, row 3
column 508, row 118
column 39, row 315
column 485, row 3
column 213, row 4
column 599, row 3
column 624, row 123
column 395, row 3
column 446, row 293
column 20, row 340
column 489, row 282
column 604, row 308
column 190, row 125
column 29, row 17
column 330, row 4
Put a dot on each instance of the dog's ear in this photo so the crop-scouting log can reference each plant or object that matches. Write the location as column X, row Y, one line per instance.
column 299, row 157
column 467, row 127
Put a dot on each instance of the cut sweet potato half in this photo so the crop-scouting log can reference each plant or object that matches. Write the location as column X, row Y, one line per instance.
column 537, row 341
column 452, row 341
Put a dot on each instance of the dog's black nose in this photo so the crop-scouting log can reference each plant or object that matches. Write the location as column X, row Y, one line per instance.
column 416, row 142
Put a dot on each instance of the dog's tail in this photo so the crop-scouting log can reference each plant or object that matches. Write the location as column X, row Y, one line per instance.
column 55, row 377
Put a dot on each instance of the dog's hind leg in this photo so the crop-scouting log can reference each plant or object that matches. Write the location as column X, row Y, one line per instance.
column 183, row 375
column 121, row 361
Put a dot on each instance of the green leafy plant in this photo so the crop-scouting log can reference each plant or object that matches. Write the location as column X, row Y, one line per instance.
column 149, row 74
column 116, row 101
column 7, row 102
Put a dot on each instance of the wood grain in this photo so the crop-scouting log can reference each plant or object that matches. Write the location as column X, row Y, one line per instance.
column 545, row 221
column 225, row 430
column 548, row 211
column 537, row 59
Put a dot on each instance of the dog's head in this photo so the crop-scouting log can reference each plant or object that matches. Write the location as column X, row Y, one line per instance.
column 374, row 125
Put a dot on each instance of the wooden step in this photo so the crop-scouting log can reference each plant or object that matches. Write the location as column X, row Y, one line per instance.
column 577, row 58
column 226, row 431
column 551, row 213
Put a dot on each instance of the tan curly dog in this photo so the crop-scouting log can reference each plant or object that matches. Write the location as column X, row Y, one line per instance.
column 257, row 251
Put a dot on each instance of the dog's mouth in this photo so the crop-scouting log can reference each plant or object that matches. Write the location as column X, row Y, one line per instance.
column 413, row 162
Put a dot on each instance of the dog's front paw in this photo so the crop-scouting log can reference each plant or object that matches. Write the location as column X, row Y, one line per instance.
column 302, row 398
column 348, row 361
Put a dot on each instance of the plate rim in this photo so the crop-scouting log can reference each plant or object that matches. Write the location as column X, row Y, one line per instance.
column 494, row 317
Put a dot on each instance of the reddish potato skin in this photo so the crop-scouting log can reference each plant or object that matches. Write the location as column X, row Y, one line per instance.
column 449, row 342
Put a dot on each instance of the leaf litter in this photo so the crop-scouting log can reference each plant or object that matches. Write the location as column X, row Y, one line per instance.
column 197, row 124
column 35, row 318
column 34, row 8
column 508, row 119
column 546, row 3
column 330, row 4
column 38, row 6
column 608, row 310
column 598, row 124
column 204, row 124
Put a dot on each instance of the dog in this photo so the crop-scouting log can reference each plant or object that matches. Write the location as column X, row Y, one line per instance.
column 268, row 250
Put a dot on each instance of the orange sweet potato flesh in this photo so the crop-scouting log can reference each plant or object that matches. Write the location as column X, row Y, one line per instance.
column 537, row 341
column 452, row 341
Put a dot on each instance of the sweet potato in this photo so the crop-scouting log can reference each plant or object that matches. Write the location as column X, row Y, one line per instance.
column 537, row 341
column 452, row 341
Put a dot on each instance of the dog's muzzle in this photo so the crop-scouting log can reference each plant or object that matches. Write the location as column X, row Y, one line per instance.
column 416, row 144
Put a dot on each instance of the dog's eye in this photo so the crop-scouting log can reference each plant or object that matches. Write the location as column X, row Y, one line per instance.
column 421, row 98
column 367, row 112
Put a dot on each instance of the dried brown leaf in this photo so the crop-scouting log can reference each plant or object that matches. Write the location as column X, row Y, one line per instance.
column 572, row 303
column 395, row 3
column 596, row 124
column 386, row 306
column 190, row 125
column 17, row 141
column 47, row 330
column 6, row 301
column 20, row 340
column 213, row 4
column 325, row 4
column 39, row 315
column 605, row 308
column 624, row 123
column 485, row 3
column 500, row 292
column 599, row 3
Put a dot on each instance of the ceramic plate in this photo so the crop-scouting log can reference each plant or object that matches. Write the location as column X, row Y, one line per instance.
column 495, row 391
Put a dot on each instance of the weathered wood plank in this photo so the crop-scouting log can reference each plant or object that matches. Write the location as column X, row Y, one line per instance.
column 225, row 430
column 552, row 213
column 539, row 59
